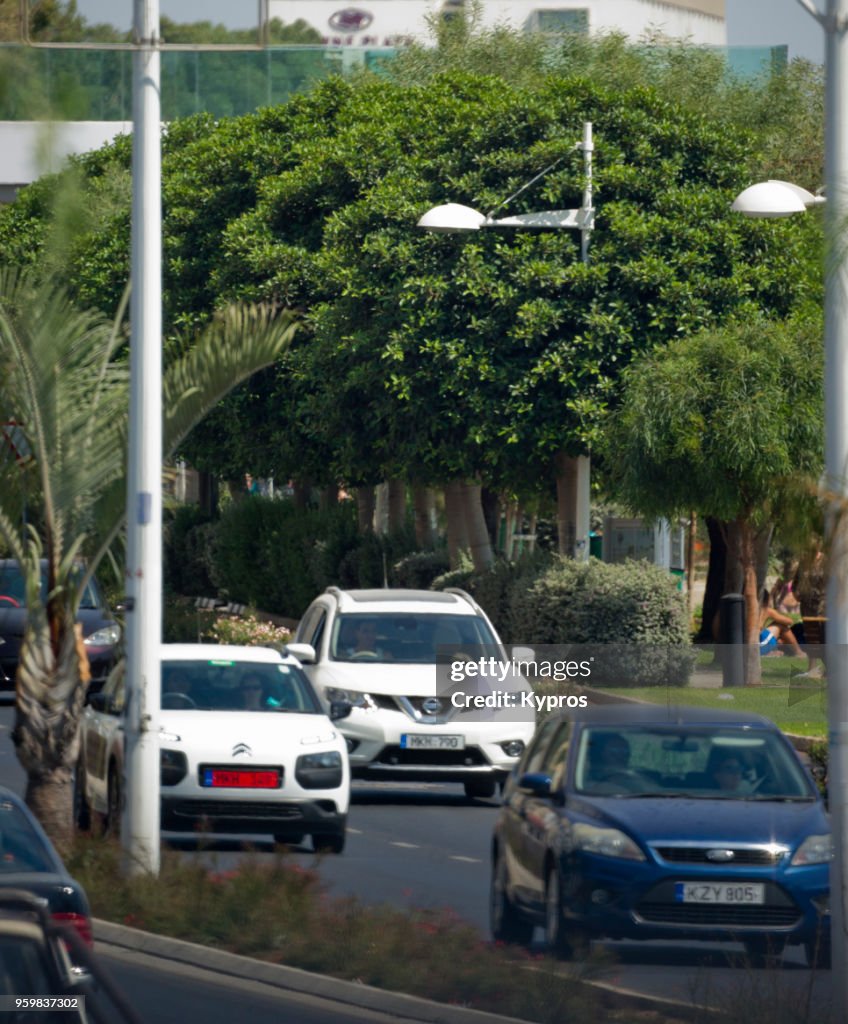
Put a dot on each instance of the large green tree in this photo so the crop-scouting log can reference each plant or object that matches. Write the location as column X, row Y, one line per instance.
column 65, row 386
column 439, row 358
column 725, row 422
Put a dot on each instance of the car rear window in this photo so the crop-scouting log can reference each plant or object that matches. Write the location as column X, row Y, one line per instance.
column 12, row 586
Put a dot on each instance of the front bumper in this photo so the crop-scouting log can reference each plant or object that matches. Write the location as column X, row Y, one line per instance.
column 630, row 900
column 291, row 817
column 376, row 747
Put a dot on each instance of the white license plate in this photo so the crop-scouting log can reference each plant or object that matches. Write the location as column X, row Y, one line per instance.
column 415, row 741
column 726, row 892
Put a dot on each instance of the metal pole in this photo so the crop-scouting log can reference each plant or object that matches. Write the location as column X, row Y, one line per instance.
column 836, row 460
column 140, row 820
column 583, row 502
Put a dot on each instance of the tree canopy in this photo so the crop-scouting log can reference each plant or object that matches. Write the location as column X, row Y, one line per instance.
column 438, row 357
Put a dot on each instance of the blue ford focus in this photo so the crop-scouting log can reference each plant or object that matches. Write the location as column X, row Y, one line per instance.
column 649, row 822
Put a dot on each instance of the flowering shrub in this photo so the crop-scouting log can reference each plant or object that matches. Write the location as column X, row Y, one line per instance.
column 231, row 629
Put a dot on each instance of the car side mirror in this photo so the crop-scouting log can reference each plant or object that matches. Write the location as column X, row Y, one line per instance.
column 305, row 653
column 537, row 783
column 339, row 709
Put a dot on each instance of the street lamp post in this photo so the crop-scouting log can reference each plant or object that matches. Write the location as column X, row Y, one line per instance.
column 452, row 218
column 782, row 199
column 140, row 819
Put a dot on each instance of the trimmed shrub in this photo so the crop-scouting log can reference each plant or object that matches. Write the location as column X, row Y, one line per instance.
column 417, row 570
column 634, row 605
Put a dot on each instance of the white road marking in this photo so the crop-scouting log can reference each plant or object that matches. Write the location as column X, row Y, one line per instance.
column 467, row 860
column 406, row 846
column 355, row 831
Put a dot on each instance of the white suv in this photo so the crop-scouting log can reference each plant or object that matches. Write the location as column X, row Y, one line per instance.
column 378, row 650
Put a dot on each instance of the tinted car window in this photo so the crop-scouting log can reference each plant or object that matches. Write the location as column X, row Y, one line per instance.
column 536, row 754
column 220, row 686
column 711, row 763
column 12, row 585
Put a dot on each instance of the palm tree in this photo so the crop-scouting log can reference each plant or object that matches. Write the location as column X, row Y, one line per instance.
column 65, row 388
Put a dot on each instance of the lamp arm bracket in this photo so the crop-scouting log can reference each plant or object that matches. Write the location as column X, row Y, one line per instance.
column 533, row 180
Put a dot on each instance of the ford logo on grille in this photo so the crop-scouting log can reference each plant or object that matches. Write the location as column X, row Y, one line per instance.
column 432, row 705
column 351, row 19
column 720, row 856
column 242, row 748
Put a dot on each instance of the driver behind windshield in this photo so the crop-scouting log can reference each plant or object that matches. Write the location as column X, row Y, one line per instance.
column 365, row 641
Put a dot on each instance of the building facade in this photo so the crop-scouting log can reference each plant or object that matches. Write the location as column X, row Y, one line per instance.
column 379, row 23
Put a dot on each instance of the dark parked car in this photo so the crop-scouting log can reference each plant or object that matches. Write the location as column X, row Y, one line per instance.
column 29, row 861
column 47, row 974
column 649, row 822
column 101, row 632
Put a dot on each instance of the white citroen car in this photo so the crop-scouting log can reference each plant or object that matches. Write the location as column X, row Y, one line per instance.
column 389, row 653
column 246, row 746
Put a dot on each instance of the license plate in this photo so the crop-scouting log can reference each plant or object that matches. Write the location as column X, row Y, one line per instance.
column 241, row 778
column 726, row 892
column 416, row 741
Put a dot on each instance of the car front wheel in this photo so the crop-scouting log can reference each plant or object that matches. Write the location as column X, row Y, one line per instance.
column 505, row 922
column 333, row 843
column 480, row 789
column 563, row 940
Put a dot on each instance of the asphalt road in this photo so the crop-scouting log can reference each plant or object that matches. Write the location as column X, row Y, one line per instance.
column 428, row 847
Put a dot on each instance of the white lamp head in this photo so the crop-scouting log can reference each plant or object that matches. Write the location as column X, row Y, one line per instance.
column 451, row 217
column 774, row 199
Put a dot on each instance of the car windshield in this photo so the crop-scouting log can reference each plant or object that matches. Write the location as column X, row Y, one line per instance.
column 222, row 685
column 21, row 848
column 714, row 763
column 408, row 638
column 13, row 589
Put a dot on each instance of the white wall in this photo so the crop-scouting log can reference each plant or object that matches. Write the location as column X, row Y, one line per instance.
column 29, row 149
column 377, row 23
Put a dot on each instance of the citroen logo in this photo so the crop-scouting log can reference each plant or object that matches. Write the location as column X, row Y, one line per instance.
column 242, row 748
column 432, row 705
column 720, row 856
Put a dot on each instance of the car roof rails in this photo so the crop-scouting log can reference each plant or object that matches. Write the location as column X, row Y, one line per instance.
column 465, row 597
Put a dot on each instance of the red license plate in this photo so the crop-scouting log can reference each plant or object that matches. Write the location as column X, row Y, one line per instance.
column 223, row 778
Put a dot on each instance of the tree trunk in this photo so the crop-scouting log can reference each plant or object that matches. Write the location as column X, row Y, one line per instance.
column 366, row 498
column 329, row 497
column 490, row 504
column 397, row 506
column 424, row 504
column 716, row 574
column 207, row 486
column 302, row 493
column 762, row 544
column 572, row 481
column 748, row 560
column 475, row 524
column 456, row 529
column 50, row 692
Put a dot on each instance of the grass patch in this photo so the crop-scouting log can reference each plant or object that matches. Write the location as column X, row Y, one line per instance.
column 278, row 911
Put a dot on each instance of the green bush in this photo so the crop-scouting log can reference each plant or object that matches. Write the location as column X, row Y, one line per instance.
column 417, row 570
column 188, row 551
column 277, row 557
column 635, row 606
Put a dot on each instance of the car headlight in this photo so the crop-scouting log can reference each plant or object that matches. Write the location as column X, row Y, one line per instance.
column 608, row 842
column 814, row 850
column 108, row 636
column 363, row 701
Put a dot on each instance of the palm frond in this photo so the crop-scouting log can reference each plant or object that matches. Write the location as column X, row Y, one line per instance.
column 240, row 341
